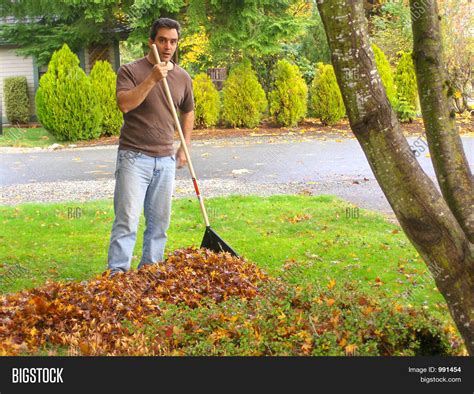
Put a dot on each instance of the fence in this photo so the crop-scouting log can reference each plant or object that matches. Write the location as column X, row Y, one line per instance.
column 218, row 76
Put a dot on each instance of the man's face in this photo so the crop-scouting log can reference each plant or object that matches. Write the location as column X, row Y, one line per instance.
column 166, row 41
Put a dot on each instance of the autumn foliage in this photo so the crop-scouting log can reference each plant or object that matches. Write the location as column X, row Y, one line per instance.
column 201, row 303
column 89, row 316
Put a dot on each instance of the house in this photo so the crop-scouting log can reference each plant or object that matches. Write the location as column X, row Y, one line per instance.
column 12, row 64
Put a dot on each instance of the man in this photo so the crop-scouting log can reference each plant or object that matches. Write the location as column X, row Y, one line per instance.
column 146, row 163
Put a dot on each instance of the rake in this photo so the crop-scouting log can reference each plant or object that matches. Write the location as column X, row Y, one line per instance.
column 211, row 239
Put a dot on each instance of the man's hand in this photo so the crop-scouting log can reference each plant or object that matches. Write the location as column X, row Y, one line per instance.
column 159, row 71
column 181, row 157
column 130, row 99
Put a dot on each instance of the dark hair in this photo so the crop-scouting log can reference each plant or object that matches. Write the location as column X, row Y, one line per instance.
column 164, row 22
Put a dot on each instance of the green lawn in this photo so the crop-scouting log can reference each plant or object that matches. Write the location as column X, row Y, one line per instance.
column 27, row 138
column 69, row 241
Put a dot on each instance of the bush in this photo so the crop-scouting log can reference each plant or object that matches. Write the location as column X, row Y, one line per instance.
column 386, row 75
column 244, row 100
column 207, row 101
column 326, row 98
column 289, row 96
column 17, row 102
column 407, row 88
column 103, row 80
column 286, row 320
column 405, row 111
column 66, row 103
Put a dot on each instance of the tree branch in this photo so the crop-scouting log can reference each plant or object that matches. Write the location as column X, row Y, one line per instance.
column 447, row 154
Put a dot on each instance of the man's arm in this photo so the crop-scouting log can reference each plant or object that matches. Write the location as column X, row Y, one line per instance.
column 187, row 124
column 128, row 100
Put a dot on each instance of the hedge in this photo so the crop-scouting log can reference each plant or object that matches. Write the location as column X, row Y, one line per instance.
column 326, row 98
column 407, row 88
column 66, row 102
column 386, row 75
column 244, row 101
column 207, row 101
column 289, row 96
column 17, row 102
column 103, row 80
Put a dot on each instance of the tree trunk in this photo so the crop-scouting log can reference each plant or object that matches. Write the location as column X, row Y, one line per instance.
column 421, row 210
column 449, row 161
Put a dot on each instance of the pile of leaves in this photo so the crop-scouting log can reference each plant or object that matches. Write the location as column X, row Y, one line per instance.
column 89, row 316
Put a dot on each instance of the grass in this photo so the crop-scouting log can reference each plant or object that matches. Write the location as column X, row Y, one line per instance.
column 26, row 137
column 69, row 241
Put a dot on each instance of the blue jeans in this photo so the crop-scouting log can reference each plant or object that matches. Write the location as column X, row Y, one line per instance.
column 145, row 182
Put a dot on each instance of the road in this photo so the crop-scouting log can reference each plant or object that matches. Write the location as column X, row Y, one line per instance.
column 309, row 160
column 264, row 160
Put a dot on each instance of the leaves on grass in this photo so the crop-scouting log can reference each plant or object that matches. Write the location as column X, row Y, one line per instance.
column 331, row 284
column 299, row 218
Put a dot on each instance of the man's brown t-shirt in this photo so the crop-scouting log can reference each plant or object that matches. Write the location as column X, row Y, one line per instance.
column 150, row 127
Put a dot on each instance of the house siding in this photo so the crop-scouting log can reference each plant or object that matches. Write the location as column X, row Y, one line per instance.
column 12, row 65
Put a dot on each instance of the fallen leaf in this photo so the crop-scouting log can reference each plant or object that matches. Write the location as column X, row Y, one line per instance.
column 331, row 284
column 350, row 349
column 240, row 172
column 330, row 301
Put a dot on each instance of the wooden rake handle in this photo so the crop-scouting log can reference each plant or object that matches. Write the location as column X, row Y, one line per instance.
column 181, row 137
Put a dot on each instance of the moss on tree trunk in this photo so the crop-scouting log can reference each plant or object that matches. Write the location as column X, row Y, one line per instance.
column 449, row 161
